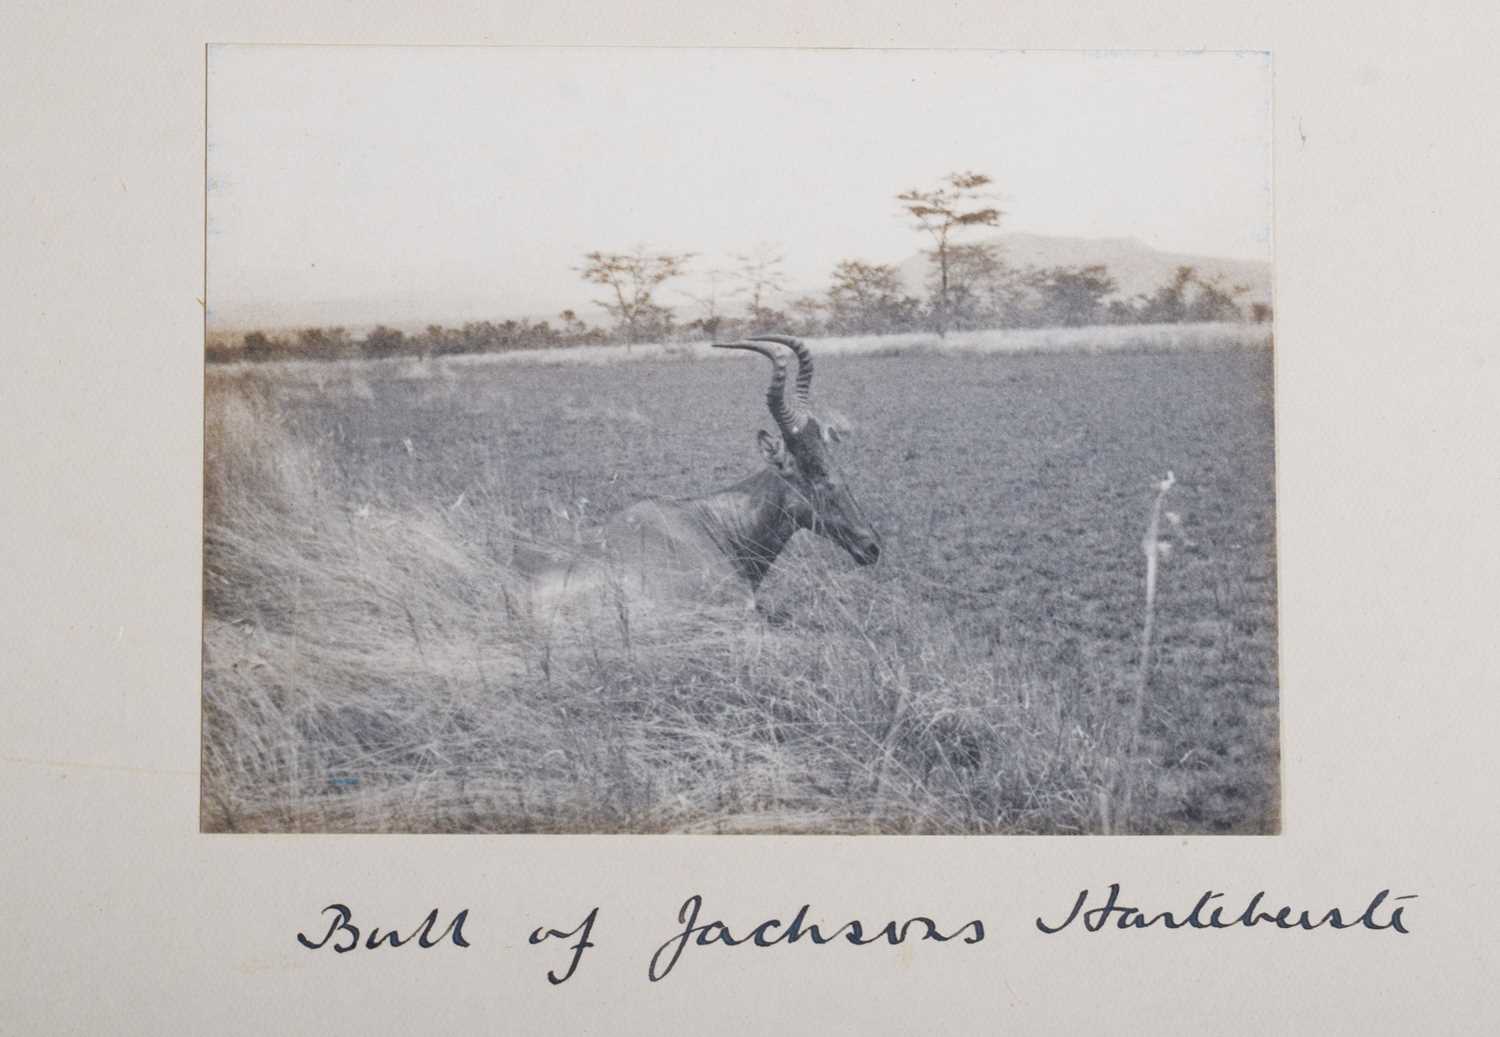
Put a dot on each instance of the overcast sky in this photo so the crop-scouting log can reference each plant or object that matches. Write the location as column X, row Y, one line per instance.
column 449, row 182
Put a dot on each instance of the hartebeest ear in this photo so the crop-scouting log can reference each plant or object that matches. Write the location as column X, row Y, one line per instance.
column 833, row 426
column 774, row 451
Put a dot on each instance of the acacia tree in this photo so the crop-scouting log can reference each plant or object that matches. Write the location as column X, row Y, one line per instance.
column 760, row 276
column 865, row 298
column 327, row 343
column 806, row 315
column 1216, row 301
column 383, row 341
column 1072, row 296
column 1190, row 296
column 633, row 277
column 941, row 212
column 978, row 285
column 1168, row 304
column 710, row 318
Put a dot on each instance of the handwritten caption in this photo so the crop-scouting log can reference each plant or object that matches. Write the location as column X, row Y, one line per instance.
column 1090, row 912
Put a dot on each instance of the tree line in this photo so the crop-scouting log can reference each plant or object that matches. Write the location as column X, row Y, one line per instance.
column 969, row 287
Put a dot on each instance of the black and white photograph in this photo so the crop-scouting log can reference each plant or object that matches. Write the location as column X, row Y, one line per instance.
column 739, row 441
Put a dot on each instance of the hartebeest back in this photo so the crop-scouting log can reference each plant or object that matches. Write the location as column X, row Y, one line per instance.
column 722, row 545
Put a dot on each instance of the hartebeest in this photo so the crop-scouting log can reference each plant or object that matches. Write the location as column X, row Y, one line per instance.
column 722, row 545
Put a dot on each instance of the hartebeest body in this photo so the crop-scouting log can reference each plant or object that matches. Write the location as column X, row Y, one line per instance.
column 722, row 545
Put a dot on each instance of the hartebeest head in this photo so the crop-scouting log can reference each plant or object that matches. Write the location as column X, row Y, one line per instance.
column 817, row 498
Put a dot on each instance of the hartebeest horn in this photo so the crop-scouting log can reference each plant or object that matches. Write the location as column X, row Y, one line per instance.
column 776, row 394
column 804, row 362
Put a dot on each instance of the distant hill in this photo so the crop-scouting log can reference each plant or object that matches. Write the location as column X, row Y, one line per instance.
column 1137, row 267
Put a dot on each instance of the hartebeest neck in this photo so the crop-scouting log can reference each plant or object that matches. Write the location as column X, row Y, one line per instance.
column 751, row 521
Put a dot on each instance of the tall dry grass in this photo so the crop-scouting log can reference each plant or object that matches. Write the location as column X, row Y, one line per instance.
column 372, row 663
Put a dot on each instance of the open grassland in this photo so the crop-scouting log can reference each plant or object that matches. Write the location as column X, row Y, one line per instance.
column 371, row 663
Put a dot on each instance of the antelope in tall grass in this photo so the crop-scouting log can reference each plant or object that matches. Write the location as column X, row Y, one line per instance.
column 721, row 546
